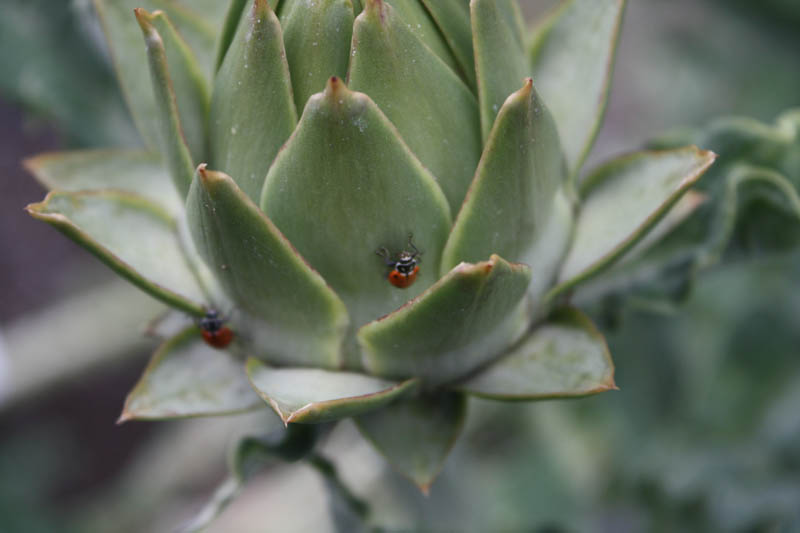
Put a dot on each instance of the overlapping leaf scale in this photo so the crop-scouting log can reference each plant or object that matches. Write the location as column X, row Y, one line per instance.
column 317, row 38
column 622, row 201
column 514, row 206
column 452, row 18
column 345, row 185
column 572, row 55
column 418, row 21
column 289, row 314
column 310, row 395
column 415, row 435
column 130, row 60
column 466, row 319
column 186, row 377
column 180, row 96
column 434, row 111
column 136, row 238
column 252, row 110
column 126, row 170
column 500, row 60
column 563, row 357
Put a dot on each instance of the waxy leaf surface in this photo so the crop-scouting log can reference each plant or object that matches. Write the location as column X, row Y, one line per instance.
column 310, row 395
column 285, row 305
column 512, row 197
column 317, row 39
column 344, row 186
column 573, row 59
column 434, row 111
column 416, row 435
column 125, row 170
column 130, row 59
column 252, row 111
column 452, row 18
column 136, row 238
column 186, row 377
column 171, row 87
column 419, row 22
column 623, row 200
column 467, row 318
column 500, row 60
column 563, row 357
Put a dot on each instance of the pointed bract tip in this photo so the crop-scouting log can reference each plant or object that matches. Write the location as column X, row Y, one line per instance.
column 334, row 87
column 425, row 488
column 124, row 417
column 261, row 6
column 145, row 20
column 143, row 17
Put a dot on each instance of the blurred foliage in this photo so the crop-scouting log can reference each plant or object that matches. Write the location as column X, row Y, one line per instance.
column 63, row 76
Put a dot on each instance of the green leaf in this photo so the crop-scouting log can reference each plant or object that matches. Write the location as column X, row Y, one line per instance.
column 452, row 18
column 465, row 320
column 198, row 24
column 294, row 317
column 345, row 185
column 252, row 111
column 563, row 357
column 189, row 85
column 186, row 377
column 500, row 60
column 659, row 267
column 317, row 39
column 416, row 435
column 311, row 396
column 233, row 17
column 573, row 59
column 418, row 21
column 434, row 111
column 549, row 251
column 130, row 59
column 182, row 127
column 512, row 197
column 623, row 200
column 125, row 170
column 134, row 237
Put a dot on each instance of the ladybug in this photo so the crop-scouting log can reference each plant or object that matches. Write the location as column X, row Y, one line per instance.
column 403, row 270
column 215, row 332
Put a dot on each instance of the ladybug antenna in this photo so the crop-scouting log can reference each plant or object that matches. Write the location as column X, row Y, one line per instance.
column 411, row 245
column 383, row 252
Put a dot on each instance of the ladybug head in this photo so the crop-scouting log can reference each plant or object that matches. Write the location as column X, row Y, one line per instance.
column 212, row 321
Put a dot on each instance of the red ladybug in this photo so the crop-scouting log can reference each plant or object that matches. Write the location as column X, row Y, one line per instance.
column 403, row 270
column 215, row 332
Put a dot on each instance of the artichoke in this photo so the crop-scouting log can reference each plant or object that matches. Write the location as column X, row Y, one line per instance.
column 444, row 138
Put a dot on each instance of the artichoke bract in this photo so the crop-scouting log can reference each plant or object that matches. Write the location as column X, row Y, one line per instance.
column 293, row 150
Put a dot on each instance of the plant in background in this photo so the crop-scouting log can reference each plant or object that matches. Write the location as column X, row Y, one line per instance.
column 754, row 209
column 263, row 200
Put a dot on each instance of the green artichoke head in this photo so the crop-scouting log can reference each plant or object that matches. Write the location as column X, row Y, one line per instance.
column 382, row 200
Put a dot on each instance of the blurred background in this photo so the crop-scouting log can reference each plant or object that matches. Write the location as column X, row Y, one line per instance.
column 704, row 434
